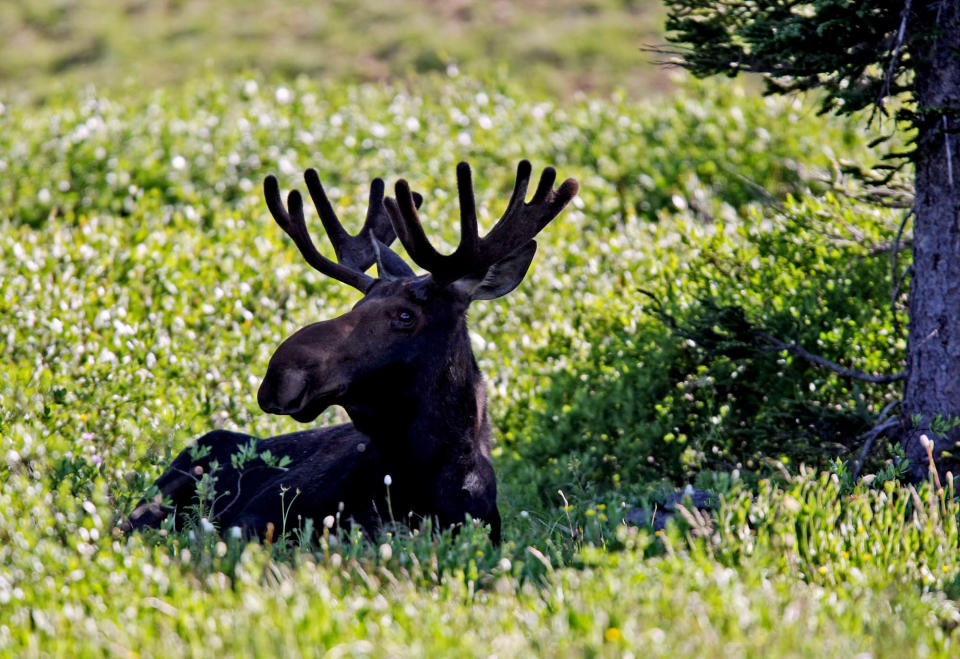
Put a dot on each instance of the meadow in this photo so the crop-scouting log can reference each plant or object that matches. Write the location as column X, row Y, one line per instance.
column 143, row 287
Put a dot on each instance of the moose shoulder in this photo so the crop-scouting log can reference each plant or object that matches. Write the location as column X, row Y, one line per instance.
column 400, row 364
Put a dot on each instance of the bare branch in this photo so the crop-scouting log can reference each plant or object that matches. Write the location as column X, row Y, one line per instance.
column 881, row 427
column 895, row 58
column 772, row 202
column 886, row 409
column 897, row 281
column 800, row 351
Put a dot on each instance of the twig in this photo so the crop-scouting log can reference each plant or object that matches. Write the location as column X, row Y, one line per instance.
column 935, row 331
column 186, row 473
column 896, row 242
column 799, row 351
column 882, row 248
column 236, row 496
column 888, row 197
column 774, row 203
column 791, row 348
column 886, row 410
column 897, row 281
column 896, row 294
column 881, row 427
column 946, row 142
column 662, row 314
column 885, row 90
column 768, row 196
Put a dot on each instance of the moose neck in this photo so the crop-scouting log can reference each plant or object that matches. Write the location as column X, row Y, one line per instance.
column 436, row 409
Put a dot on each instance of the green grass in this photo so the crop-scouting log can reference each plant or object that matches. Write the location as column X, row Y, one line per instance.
column 557, row 46
column 143, row 287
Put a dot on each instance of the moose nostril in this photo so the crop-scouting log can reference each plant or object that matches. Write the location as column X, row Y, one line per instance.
column 266, row 400
column 282, row 394
column 267, row 405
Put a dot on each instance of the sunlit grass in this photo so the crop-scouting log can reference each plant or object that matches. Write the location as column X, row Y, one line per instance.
column 143, row 287
column 557, row 47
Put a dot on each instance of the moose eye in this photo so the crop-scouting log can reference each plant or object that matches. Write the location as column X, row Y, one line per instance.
column 403, row 318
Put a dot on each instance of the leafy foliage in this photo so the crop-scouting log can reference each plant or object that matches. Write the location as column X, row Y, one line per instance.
column 713, row 152
column 143, row 287
column 851, row 49
column 685, row 382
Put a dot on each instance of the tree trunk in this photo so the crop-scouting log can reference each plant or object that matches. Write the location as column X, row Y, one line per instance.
column 931, row 396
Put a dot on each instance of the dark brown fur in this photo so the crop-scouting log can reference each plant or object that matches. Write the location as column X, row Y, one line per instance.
column 399, row 363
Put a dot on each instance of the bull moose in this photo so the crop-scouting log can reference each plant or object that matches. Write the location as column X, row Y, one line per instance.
column 400, row 363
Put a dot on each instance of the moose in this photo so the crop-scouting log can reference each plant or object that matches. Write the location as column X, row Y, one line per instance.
column 400, row 363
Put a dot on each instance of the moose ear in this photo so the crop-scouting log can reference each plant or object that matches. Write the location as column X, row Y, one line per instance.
column 389, row 264
column 501, row 277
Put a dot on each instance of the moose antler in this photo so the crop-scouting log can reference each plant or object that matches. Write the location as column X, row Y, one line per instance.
column 518, row 225
column 355, row 253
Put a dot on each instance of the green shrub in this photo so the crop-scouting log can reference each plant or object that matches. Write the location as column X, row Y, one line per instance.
column 678, row 379
column 205, row 149
column 713, row 152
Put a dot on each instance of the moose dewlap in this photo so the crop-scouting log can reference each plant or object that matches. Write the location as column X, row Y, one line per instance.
column 400, row 364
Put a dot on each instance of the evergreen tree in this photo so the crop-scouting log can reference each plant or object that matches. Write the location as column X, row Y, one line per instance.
column 863, row 53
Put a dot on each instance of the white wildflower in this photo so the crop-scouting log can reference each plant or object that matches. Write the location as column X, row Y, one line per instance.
column 283, row 95
column 386, row 552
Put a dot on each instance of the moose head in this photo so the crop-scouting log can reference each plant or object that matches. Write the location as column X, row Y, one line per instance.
column 407, row 327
